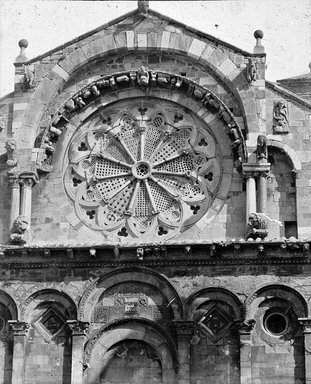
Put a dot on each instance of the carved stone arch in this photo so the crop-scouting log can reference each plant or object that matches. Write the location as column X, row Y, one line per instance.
column 196, row 299
column 133, row 274
column 276, row 291
column 119, row 86
column 130, row 329
column 47, row 295
column 289, row 152
column 10, row 304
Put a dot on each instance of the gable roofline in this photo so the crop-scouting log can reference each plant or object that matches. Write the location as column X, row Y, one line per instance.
column 288, row 93
column 199, row 33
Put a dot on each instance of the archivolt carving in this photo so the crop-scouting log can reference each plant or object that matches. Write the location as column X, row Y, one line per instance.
column 145, row 80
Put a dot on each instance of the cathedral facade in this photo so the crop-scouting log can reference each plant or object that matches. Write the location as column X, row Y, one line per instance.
column 155, row 212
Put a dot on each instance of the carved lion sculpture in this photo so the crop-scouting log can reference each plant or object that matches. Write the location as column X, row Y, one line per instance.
column 10, row 146
column 261, row 147
column 257, row 226
column 19, row 229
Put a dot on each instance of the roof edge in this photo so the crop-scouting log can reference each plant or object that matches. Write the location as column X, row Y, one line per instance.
column 131, row 13
column 286, row 92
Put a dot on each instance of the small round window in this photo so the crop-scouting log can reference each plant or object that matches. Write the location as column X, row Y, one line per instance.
column 276, row 323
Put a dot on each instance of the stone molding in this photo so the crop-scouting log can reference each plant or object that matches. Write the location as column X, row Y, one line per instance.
column 145, row 80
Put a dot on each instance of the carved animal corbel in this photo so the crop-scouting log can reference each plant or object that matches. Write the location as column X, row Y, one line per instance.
column 261, row 150
column 10, row 146
column 140, row 254
column 143, row 76
column 257, row 227
column 19, row 230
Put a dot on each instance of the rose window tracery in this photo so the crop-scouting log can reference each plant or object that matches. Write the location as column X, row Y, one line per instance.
column 142, row 169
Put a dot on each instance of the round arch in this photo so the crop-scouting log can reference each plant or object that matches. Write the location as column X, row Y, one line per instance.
column 53, row 295
column 120, row 275
column 292, row 155
column 214, row 293
column 276, row 291
column 130, row 329
column 10, row 303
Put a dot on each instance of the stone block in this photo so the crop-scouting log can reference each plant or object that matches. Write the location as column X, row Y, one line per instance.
column 196, row 48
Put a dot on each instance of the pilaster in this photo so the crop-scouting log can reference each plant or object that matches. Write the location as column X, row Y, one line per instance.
column 184, row 331
column 78, row 333
column 245, row 328
column 306, row 327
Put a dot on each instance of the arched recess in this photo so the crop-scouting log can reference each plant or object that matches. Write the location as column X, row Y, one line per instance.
column 281, row 189
column 277, row 332
column 291, row 154
column 8, row 311
column 145, row 277
column 47, row 312
column 101, row 343
column 215, row 311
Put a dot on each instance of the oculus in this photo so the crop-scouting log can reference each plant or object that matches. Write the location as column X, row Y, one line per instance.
column 142, row 168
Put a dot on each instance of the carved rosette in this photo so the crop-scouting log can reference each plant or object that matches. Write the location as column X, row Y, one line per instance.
column 78, row 328
column 142, row 168
column 20, row 328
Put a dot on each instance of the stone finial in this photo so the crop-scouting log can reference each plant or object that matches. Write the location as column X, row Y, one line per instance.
column 23, row 44
column 259, row 48
column 143, row 6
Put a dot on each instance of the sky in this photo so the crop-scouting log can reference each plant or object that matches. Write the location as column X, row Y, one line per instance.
column 48, row 23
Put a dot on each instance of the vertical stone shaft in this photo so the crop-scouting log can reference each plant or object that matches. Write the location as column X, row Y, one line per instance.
column 15, row 199
column 20, row 330
column 306, row 325
column 79, row 330
column 250, row 196
column 184, row 331
column 26, row 198
column 245, row 329
column 262, row 187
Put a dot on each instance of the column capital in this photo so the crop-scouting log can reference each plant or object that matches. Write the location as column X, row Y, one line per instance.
column 29, row 178
column 78, row 328
column 245, row 326
column 20, row 328
column 255, row 169
column 14, row 182
column 184, row 328
column 305, row 322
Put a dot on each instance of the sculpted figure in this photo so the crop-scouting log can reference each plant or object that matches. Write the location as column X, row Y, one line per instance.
column 280, row 119
column 256, row 227
column 19, row 230
column 10, row 146
column 252, row 71
column 261, row 147
column 142, row 76
column 28, row 78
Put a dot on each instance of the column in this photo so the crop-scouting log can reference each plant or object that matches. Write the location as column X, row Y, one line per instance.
column 184, row 330
column 306, row 326
column 26, row 197
column 250, row 196
column 14, row 183
column 262, row 189
column 245, row 329
column 20, row 331
column 79, row 330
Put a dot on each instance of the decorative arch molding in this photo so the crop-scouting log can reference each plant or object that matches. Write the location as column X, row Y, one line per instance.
column 292, row 155
column 214, row 293
column 130, row 329
column 48, row 295
column 276, row 291
column 121, row 275
column 10, row 304
column 113, row 87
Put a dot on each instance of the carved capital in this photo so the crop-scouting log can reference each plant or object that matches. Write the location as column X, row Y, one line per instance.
column 28, row 179
column 20, row 328
column 27, row 182
column 14, row 182
column 78, row 328
column 184, row 328
column 245, row 327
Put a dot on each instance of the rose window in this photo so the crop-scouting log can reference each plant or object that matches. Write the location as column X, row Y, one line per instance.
column 143, row 169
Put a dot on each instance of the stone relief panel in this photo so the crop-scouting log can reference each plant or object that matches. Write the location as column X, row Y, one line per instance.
column 144, row 169
column 280, row 117
column 132, row 299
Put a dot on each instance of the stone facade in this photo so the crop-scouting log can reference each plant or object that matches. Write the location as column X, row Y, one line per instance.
column 155, row 215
